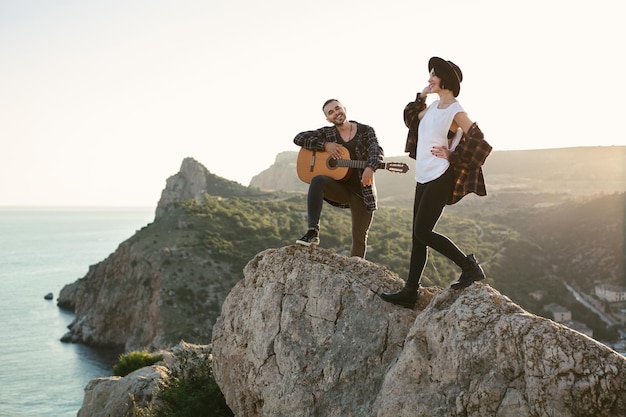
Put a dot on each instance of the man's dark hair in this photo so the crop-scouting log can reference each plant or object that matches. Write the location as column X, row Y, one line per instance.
column 328, row 101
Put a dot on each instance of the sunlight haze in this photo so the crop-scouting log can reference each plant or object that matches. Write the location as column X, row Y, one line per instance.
column 100, row 101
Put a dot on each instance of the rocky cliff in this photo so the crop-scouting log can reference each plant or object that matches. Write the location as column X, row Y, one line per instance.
column 305, row 334
column 193, row 182
column 163, row 284
column 157, row 288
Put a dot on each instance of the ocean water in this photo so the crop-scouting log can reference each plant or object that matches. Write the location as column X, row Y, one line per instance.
column 42, row 250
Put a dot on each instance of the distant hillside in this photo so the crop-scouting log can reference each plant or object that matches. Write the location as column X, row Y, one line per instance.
column 585, row 240
column 572, row 171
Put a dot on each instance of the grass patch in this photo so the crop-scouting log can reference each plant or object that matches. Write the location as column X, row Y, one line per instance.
column 131, row 361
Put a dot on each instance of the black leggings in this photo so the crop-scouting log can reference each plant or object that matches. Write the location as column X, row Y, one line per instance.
column 346, row 193
column 430, row 200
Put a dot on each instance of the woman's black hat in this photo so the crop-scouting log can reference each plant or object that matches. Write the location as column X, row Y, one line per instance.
column 450, row 74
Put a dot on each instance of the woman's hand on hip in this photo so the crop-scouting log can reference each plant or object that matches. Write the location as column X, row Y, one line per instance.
column 440, row 152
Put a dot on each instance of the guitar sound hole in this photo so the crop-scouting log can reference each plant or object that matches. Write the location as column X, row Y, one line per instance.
column 332, row 163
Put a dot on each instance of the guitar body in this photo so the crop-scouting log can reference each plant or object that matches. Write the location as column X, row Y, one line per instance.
column 312, row 163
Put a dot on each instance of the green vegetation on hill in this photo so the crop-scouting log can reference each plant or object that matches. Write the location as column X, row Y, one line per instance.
column 234, row 230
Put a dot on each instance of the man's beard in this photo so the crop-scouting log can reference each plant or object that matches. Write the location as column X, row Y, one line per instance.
column 337, row 123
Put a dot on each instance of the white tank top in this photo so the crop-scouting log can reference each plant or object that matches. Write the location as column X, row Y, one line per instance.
column 433, row 131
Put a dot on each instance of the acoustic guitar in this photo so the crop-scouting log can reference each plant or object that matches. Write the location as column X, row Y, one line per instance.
column 311, row 163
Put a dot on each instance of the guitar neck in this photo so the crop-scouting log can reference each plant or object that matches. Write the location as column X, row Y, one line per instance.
column 355, row 163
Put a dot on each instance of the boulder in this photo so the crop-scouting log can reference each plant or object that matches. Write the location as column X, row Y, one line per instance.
column 305, row 334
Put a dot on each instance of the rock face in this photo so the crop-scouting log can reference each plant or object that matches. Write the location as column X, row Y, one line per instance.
column 305, row 334
column 138, row 391
column 191, row 182
column 162, row 285
column 281, row 175
column 117, row 302
column 117, row 396
column 159, row 287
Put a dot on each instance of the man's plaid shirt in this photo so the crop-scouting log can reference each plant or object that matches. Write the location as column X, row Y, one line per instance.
column 366, row 149
column 466, row 159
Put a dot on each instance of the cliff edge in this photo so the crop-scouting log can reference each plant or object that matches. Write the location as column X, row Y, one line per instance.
column 305, row 334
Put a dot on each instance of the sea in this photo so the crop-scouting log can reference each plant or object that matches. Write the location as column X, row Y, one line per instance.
column 42, row 250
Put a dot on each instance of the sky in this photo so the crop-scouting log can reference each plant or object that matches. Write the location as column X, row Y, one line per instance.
column 100, row 101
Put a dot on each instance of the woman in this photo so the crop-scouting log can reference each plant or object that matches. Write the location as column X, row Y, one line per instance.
column 449, row 150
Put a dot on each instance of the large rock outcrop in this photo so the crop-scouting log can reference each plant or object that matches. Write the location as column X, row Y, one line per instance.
column 117, row 396
column 192, row 182
column 159, row 287
column 305, row 334
column 138, row 391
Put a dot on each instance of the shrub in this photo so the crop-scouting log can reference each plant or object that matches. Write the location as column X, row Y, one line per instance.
column 194, row 397
column 132, row 361
column 194, row 394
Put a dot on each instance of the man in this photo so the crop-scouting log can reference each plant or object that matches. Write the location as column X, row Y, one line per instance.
column 357, row 191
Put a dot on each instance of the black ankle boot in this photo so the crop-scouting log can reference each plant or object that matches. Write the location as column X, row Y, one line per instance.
column 471, row 272
column 407, row 297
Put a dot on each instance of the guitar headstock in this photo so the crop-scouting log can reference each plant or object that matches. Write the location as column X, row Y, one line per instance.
column 399, row 167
